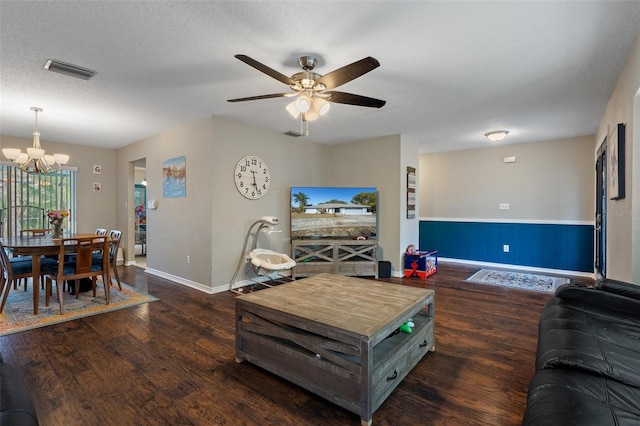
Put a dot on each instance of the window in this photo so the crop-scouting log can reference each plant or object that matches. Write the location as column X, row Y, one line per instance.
column 26, row 198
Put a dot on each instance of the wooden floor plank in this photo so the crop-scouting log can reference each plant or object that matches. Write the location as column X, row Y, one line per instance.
column 172, row 362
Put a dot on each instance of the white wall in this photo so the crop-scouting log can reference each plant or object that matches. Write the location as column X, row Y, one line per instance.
column 550, row 181
column 623, row 216
column 380, row 162
column 292, row 162
column 211, row 222
column 179, row 227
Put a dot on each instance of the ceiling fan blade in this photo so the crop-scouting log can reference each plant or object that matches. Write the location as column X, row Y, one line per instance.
column 348, row 72
column 265, row 69
column 255, row 98
column 351, row 99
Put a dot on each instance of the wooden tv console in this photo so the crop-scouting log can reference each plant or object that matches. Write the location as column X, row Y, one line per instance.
column 344, row 257
column 337, row 336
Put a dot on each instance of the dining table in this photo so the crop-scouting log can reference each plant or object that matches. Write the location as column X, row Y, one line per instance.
column 36, row 246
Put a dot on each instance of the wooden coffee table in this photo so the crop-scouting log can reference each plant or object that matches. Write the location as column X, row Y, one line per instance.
column 337, row 336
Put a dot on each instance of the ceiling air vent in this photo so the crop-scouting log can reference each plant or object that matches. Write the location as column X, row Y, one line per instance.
column 69, row 69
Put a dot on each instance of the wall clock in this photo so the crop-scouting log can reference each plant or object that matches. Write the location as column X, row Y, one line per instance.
column 252, row 177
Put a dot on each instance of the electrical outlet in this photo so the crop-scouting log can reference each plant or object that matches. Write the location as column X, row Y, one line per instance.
column 188, row 260
column 505, row 248
column 503, row 206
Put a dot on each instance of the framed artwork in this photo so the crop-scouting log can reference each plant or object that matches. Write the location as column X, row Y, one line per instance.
column 411, row 193
column 174, row 177
column 616, row 162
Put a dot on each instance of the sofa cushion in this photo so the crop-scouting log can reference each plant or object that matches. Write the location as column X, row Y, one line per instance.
column 16, row 406
column 562, row 397
column 573, row 349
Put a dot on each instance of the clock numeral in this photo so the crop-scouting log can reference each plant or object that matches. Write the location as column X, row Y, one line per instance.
column 266, row 179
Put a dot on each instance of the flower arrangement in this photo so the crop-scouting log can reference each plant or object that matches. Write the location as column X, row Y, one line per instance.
column 57, row 216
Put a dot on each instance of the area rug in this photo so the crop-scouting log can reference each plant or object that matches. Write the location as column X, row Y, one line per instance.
column 18, row 312
column 520, row 280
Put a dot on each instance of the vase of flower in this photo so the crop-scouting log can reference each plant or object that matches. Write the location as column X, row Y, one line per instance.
column 57, row 230
column 56, row 217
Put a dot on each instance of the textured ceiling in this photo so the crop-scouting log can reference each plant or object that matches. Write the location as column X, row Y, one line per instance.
column 450, row 71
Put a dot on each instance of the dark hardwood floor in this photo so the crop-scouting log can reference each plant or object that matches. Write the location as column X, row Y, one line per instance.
column 171, row 362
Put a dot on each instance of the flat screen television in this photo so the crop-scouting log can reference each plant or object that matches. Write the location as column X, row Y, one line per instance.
column 334, row 212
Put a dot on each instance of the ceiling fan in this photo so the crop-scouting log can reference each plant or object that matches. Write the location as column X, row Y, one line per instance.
column 313, row 90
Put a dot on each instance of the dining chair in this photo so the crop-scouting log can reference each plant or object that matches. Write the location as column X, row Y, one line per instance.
column 17, row 261
column 35, row 232
column 12, row 272
column 115, row 236
column 101, row 232
column 76, row 261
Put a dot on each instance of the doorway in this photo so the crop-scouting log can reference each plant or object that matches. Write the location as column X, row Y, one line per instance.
column 601, row 212
column 140, row 212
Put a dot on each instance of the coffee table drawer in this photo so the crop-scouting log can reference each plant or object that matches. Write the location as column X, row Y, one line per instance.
column 397, row 355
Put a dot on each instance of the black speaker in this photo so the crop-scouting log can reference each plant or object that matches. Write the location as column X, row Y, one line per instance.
column 384, row 269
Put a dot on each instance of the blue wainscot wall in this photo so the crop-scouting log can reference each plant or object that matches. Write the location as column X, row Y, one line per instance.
column 552, row 246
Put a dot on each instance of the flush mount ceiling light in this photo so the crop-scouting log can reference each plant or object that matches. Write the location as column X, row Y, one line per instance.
column 69, row 69
column 35, row 160
column 497, row 135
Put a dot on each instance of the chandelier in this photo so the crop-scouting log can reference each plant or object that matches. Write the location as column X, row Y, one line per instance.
column 35, row 160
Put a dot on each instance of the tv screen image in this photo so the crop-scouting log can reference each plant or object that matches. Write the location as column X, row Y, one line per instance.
column 334, row 212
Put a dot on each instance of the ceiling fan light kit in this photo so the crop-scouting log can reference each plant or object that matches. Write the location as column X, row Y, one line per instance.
column 310, row 88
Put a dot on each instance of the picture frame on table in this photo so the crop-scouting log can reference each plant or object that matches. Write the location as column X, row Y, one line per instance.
column 616, row 156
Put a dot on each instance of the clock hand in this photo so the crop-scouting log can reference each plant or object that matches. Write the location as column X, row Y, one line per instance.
column 254, row 178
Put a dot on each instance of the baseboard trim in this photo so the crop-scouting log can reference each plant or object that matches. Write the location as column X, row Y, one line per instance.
column 518, row 267
column 220, row 288
column 186, row 282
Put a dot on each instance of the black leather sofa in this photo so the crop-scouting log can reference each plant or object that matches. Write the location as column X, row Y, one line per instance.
column 16, row 406
column 588, row 358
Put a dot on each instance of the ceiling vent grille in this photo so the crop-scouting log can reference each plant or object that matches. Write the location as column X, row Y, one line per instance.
column 69, row 69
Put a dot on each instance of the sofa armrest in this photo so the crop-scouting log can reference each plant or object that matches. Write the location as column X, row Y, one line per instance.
column 620, row 287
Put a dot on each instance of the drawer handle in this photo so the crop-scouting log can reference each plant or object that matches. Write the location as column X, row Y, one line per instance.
column 423, row 344
column 393, row 376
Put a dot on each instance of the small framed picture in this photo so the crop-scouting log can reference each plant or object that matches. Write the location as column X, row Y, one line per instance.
column 97, row 169
column 97, row 187
column 616, row 163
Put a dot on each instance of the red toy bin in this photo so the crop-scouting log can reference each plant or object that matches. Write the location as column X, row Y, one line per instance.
column 420, row 264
